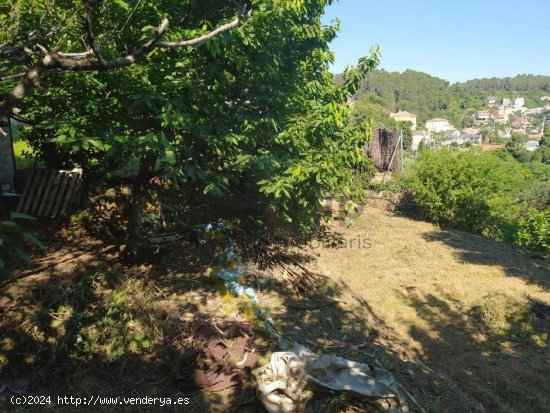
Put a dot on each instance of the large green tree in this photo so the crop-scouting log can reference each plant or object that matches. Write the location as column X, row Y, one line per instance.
column 253, row 108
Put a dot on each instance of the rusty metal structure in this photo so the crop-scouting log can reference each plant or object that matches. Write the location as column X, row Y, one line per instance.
column 384, row 150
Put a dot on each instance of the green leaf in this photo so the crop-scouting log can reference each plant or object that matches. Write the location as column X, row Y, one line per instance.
column 23, row 255
column 19, row 215
column 33, row 239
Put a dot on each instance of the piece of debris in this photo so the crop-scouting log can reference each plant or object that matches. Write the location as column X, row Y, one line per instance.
column 222, row 355
column 285, row 384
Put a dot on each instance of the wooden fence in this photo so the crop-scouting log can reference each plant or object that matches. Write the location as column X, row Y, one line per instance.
column 50, row 193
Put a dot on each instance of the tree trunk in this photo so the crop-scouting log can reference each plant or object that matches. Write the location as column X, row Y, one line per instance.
column 137, row 205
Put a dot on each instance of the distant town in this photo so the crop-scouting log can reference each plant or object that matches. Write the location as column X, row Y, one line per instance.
column 500, row 120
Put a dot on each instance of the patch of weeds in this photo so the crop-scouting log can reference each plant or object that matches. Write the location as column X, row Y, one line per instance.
column 127, row 324
column 388, row 188
column 509, row 317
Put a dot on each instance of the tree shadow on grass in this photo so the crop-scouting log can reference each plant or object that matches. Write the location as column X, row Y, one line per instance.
column 501, row 368
column 51, row 339
column 109, row 331
column 478, row 250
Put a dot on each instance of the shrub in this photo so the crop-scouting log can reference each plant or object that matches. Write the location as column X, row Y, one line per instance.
column 534, row 231
column 12, row 245
column 509, row 317
column 467, row 190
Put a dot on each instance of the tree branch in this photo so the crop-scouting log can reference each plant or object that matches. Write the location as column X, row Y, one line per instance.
column 14, row 76
column 61, row 61
column 78, row 55
column 198, row 40
column 80, row 61
column 91, row 38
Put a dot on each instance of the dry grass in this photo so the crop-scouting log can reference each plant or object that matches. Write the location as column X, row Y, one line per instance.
column 447, row 312
column 423, row 286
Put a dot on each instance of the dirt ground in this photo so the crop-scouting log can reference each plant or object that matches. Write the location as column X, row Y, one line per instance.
column 448, row 313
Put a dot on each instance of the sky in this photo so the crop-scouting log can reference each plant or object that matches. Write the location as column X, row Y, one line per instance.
column 453, row 40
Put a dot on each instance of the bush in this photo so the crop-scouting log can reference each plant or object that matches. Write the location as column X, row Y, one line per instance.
column 13, row 238
column 534, row 231
column 509, row 317
column 467, row 190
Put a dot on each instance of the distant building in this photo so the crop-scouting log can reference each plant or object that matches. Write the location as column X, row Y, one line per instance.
column 545, row 98
column 502, row 113
column 535, row 111
column 506, row 102
column 438, row 125
column 483, row 116
column 519, row 122
column 518, row 102
column 405, row 117
column 472, row 131
column 470, row 135
column 531, row 146
column 491, row 100
column 419, row 137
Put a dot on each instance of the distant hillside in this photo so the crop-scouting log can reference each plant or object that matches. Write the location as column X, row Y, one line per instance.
column 520, row 83
column 429, row 96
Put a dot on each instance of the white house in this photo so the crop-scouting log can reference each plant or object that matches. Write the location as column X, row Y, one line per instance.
column 491, row 100
column 506, row 102
column 518, row 102
column 469, row 135
column 418, row 137
column 405, row 117
column 531, row 146
column 483, row 115
column 438, row 125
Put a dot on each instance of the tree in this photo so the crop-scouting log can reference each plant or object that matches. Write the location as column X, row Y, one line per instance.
column 406, row 128
column 254, row 109
column 33, row 35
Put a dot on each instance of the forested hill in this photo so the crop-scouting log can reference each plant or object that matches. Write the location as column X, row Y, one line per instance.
column 520, row 83
column 429, row 96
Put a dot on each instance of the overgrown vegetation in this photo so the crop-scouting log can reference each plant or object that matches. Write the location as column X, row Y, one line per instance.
column 469, row 190
column 491, row 194
column 534, row 231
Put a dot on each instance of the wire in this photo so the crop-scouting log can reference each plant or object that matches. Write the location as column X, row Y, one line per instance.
column 486, row 16
column 404, row 25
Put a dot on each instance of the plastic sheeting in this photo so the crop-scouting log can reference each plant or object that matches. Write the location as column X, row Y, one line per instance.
column 230, row 269
column 286, row 382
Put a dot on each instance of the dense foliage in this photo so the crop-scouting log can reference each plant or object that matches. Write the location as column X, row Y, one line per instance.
column 534, row 231
column 467, row 190
column 254, row 109
column 430, row 97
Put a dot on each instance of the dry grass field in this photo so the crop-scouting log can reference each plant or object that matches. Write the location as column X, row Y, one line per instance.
column 456, row 302
column 449, row 313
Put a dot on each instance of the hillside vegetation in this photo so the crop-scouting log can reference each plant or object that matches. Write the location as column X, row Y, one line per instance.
column 429, row 96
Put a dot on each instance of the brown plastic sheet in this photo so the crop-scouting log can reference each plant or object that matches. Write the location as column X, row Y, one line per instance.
column 222, row 355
